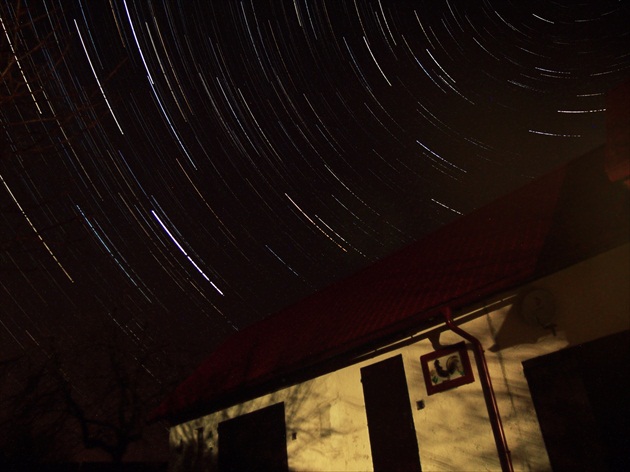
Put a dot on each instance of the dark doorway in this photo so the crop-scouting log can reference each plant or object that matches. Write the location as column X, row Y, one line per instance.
column 390, row 424
column 254, row 442
column 580, row 395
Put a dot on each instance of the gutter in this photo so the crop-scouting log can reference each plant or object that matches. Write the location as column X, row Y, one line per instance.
column 488, row 392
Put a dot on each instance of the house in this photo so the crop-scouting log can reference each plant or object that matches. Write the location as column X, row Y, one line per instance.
column 498, row 342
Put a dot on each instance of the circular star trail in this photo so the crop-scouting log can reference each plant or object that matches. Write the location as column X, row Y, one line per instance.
column 181, row 169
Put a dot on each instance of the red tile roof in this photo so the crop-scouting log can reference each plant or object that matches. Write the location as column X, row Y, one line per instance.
column 550, row 223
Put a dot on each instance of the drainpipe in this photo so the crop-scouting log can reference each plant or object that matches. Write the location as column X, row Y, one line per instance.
column 488, row 392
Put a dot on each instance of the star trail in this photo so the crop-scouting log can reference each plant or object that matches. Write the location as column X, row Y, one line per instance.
column 181, row 169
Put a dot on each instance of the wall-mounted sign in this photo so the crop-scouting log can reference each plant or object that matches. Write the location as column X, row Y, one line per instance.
column 446, row 368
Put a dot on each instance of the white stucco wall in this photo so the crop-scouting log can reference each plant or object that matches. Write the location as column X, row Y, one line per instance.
column 325, row 417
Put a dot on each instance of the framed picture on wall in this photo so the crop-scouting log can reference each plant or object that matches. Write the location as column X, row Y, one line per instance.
column 446, row 368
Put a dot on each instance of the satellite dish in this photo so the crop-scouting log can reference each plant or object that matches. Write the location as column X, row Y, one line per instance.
column 538, row 308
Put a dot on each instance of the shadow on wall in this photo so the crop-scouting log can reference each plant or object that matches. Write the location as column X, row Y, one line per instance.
column 583, row 303
column 530, row 318
column 309, row 434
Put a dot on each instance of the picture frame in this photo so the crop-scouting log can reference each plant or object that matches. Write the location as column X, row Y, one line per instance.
column 446, row 368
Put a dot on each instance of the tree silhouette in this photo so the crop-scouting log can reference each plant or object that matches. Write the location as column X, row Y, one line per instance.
column 94, row 394
column 111, row 401
column 31, row 422
column 45, row 112
column 43, row 104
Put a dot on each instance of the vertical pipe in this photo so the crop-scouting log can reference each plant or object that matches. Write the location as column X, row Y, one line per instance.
column 488, row 392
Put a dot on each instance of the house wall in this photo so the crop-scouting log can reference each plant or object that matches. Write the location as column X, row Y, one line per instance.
column 325, row 417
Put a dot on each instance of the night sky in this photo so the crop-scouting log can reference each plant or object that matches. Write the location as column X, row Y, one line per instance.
column 178, row 170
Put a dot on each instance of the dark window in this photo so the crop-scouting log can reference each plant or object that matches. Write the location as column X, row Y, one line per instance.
column 581, row 400
column 390, row 423
column 254, row 442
